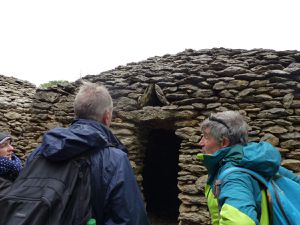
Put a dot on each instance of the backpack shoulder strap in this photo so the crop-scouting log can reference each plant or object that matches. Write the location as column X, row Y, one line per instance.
column 230, row 170
column 256, row 176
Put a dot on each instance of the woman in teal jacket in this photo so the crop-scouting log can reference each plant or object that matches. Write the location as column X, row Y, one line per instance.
column 241, row 199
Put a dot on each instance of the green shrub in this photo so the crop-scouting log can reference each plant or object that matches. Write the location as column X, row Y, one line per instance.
column 53, row 83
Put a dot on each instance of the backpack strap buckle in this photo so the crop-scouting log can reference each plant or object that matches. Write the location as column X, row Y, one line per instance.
column 216, row 189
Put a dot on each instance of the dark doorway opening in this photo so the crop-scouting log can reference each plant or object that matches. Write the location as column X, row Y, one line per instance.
column 160, row 176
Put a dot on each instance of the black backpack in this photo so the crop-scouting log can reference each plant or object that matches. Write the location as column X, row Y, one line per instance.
column 49, row 193
column 4, row 185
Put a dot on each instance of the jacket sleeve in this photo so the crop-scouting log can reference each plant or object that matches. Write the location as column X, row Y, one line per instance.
column 125, row 203
column 237, row 201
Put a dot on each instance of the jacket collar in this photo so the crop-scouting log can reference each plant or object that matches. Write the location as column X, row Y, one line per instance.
column 221, row 157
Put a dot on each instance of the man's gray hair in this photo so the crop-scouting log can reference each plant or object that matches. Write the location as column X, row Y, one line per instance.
column 92, row 101
column 227, row 124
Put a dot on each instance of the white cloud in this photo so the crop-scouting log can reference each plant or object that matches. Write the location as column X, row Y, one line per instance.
column 51, row 40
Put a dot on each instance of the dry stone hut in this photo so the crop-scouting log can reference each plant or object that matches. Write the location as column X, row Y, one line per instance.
column 159, row 103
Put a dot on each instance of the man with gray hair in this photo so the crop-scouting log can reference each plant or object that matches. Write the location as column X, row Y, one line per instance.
column 116, row 198
column 239, row 198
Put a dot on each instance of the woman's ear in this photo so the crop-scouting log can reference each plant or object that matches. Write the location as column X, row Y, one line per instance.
column 225, row 143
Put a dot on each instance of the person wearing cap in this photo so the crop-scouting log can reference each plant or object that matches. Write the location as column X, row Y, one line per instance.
column 10, row 164
column 240, row 199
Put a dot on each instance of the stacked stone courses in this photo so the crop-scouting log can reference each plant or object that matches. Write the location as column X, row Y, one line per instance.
column 175, row 92
column 16, row 98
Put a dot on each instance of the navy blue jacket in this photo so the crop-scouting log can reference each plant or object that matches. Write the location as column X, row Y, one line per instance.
column 116, row 197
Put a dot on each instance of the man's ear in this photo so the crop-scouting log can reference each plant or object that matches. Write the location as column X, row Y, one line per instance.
column 225, row 143
column 105, row 118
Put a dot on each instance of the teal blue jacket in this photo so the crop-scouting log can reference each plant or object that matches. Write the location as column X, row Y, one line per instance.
column 241, row 200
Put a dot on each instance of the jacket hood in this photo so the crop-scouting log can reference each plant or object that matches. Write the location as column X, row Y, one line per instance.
column 260, row 157
column 82, row 136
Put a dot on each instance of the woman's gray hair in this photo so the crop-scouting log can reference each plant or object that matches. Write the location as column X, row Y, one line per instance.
column 227, row 124
column 92, row 101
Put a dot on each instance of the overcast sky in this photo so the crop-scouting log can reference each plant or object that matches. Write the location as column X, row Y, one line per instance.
column 65, row 40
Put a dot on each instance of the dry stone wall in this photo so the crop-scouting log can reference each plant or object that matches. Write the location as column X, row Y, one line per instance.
column 15, row 117
column 177, row 92
column 51, row 108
